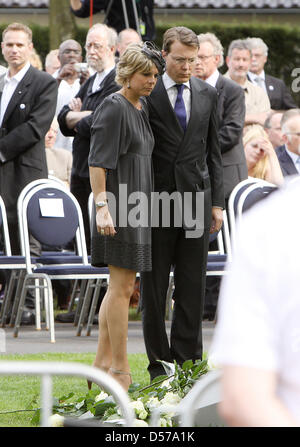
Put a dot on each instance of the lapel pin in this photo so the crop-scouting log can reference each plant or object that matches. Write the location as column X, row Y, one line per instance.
column 271, row 87
column 22, row 106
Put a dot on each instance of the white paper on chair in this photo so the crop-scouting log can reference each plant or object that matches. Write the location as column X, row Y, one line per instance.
column 52, row 207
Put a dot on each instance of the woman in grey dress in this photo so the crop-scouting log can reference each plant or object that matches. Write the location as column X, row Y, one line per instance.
column 121, row 180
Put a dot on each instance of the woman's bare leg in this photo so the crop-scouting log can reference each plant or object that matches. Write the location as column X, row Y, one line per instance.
column 113, row 325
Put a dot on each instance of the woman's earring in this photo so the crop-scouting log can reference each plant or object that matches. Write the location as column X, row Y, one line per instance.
column 128, row 85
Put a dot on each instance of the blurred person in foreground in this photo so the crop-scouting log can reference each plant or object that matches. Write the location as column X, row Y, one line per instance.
column 261, row 158
column 120, row 155
column 257, row 336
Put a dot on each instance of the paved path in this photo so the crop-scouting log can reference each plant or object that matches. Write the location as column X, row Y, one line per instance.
column 31, row 341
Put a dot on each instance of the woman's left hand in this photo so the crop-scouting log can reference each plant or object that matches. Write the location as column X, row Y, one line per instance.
column 104, row 222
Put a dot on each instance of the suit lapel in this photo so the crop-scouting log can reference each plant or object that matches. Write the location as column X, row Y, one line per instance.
column 19, row 92
column 160, row 101
column 198, row 104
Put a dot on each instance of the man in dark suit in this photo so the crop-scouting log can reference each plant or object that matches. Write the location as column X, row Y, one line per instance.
column 280, row 97
column 289, row 153
column 186, row 159
column 28, row 100
column 75, row 119
column 231, row 117
column 27, row 106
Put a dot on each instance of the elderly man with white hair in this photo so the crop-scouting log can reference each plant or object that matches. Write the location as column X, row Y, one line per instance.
column 278, row 93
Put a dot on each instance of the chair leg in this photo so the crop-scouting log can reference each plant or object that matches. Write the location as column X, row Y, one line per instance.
column 8, row 297
column 97, row 288
column 16, row 303
column 17, row 321
column 46, row 304
column 72, row 299
column 80, row 301
column 85, row 306
column 37, row 306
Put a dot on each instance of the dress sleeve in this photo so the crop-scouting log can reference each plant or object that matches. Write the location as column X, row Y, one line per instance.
column 108, row 134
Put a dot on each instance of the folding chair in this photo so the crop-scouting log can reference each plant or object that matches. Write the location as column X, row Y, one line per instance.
column 252, row 195
column 53, row 216
column 233, row 203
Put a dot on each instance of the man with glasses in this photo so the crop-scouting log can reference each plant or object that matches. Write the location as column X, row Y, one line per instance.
column 289, row 153
column 69, row 80
column 279, row 96
column 186, row 159
column 76, row 118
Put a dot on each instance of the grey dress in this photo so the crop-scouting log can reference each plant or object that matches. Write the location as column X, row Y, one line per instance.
column 122, row 143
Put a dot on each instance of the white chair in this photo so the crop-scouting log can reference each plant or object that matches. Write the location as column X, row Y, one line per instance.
column 48, row 369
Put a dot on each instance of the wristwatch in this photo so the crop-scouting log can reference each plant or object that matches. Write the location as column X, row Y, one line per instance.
column 101, row 204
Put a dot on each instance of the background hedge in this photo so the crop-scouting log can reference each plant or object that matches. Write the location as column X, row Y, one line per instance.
column 283, row 42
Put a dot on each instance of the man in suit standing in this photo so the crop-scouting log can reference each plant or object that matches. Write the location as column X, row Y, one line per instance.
column 186, row 159
column 289, row 153
column 28, row 100
column 280, row 97
column 231, row 117
column 27, row 106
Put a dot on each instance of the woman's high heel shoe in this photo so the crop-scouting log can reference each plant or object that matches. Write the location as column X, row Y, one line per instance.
column 124, row 373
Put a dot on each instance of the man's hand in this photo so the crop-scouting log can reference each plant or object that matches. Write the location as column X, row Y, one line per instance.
column 75, row 104
column 67, row 72
column 83, row 76
column 217, row 219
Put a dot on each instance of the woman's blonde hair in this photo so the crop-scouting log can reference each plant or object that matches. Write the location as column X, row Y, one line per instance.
column 261, row 167
column 132, row 60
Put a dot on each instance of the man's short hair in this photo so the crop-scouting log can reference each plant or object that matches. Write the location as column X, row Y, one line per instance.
column 216, row 44
column 238, row 44
column 267, row 123
column 112, row 35
column 257, row 42
column 181, row 34
column 291, row 113
column 18, row 27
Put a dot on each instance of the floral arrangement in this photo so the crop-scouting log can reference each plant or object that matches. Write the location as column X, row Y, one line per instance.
column 167, row 391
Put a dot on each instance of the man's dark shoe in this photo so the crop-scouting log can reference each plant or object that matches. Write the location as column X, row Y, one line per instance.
column 67, row 317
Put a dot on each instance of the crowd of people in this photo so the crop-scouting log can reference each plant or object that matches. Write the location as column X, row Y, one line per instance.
column 155, row 121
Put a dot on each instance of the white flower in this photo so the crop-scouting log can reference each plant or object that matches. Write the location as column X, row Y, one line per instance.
column 56, row 420
column 171, row 399
column 101, row 396
column 138, row 407
column 162, row 422
column 143, row 414
column 211, row 363
column 139, row 423
column 152, row 403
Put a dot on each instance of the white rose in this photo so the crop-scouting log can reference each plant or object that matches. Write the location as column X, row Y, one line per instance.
column 171, row 399
column 153, row 402
column 137, row 406
column 101, row 396
column 56, row 420
column 162, row 422
column 139, row 423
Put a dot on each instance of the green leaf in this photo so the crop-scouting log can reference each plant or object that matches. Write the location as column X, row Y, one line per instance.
column 36, row 417
column 102, row 407
column 188, row 364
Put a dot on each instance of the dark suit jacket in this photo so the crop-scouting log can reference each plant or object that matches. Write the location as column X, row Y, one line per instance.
column 279, row 96
column 285, row 161
column 231, row 118
column 190, row 161
column 27, row 119
column 82, row 131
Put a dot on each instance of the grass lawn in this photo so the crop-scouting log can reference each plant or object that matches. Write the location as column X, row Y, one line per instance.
column 23, row 392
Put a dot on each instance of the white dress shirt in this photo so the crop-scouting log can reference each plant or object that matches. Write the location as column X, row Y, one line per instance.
column 99, row 78
column 294, row 157
column 172, row 91
column 10, row 85
column 213, row 78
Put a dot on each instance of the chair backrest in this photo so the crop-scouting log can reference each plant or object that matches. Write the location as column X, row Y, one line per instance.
column 58, row 180
column 252, row 195
column 53, row 216
column 91, row 209
column 4, row 229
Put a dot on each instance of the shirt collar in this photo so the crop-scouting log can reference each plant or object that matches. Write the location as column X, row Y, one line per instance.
column 19, row 76
column 253, row 76
column 293, row 156
column 213, row 78
column 100, row 76
column 168, row 82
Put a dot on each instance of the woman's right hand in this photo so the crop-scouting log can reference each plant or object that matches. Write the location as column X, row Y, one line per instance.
column 104, row 222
